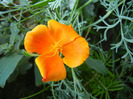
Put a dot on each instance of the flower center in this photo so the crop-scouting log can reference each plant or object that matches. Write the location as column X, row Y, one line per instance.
column 55, row 48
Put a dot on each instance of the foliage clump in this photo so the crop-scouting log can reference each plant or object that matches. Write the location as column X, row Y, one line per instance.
column 107, row 25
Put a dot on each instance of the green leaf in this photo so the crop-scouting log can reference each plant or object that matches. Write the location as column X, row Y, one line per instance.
column 24, row 65
column 20, row 38
column 7, row 66
column 3, row 46
column 97, row 65
column 14, row 31
column 38, row 77
column 42, row 3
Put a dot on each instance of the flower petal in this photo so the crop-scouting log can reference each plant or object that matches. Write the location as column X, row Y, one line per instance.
column 76, row 52
column 62, row 32
column 38, row 40
column 51, row 68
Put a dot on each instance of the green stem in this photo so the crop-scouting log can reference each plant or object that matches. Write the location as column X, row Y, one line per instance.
column 79, row 9
column 73, row 10
column 126, row 18
column 89, row 29
column 36, row 93
column 29, row 54
column 74, row 79
column 53, row 89
column 85, row 4
column 101, row 84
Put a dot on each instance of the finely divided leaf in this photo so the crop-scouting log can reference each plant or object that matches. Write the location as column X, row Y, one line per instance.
column 7, row 66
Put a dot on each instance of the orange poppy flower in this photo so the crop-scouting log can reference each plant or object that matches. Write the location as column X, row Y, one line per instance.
column 49, row 42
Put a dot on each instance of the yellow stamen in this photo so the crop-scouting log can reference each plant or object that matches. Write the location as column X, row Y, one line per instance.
column 55, row 48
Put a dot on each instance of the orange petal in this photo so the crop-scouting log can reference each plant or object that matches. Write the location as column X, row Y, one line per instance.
column 62, row 32
column 38, row 40
column 51, row 68
column 75, row 52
